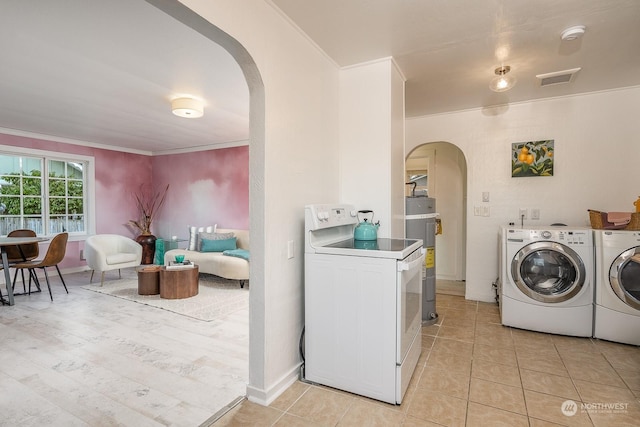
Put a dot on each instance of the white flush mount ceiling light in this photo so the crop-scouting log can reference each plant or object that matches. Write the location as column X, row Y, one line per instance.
column 572, row 33
column 187, row 107
column 502, row 82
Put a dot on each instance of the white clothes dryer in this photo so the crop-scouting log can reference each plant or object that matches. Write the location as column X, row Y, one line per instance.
column 547, row 280
column 617, row 301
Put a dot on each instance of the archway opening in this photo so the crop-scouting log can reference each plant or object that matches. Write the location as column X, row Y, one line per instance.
column 440, row 170
column 256, row 177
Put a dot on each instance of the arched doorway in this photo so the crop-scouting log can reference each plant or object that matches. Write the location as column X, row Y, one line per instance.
column 444, row 168
column 256, row 177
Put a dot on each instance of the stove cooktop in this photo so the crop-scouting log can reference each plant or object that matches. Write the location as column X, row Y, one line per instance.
column 381, row 248
column 381, row 244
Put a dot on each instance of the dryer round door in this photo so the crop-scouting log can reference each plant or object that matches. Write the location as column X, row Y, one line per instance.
column 624, row 277
column 548, row 272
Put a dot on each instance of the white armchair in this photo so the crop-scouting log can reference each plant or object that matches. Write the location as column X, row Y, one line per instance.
column 106, row 252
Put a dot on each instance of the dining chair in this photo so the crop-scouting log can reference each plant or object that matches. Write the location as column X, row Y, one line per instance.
column 55, row 254
column 20, row 253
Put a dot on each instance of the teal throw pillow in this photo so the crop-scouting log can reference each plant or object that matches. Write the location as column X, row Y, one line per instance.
column 218, row 245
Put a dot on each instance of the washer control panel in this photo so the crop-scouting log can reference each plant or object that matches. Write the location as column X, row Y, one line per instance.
column 568, row 237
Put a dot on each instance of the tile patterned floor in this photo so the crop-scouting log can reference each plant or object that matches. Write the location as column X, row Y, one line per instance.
column 88, row 359
column 475, row 372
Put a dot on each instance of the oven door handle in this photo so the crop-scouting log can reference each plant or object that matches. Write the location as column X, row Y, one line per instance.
column 406, row 266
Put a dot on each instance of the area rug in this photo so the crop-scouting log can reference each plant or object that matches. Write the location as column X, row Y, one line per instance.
column 217, row 297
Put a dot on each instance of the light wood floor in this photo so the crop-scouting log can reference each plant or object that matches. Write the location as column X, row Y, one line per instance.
column 88, row 359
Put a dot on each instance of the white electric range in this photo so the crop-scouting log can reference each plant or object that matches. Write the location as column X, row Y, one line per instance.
column 363, row 306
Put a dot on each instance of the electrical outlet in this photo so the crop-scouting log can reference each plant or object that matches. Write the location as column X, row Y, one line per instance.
column 485, row 196
column 535, row 213
column 523, row 214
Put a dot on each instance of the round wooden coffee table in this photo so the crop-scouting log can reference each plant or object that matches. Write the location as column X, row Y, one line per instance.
column 148, row 280
column 179, row 283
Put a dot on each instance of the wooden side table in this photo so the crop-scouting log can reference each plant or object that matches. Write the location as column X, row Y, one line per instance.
column 179, row 283
column 148, row 280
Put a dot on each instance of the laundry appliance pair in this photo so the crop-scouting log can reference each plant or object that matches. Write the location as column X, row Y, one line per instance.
column 571, row 281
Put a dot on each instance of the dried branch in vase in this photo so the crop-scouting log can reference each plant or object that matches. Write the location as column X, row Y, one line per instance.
column 149, row 203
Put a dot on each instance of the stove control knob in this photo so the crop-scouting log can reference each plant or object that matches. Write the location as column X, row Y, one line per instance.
column 354, row 213
column 546, row 234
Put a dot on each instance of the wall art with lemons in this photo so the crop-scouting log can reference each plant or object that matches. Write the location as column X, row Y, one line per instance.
column 533, row 158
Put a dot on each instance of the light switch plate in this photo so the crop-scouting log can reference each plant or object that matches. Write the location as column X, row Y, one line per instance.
column 290, row 248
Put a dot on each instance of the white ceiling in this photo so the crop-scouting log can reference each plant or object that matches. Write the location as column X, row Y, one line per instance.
column 448, row 49
column 104, row 72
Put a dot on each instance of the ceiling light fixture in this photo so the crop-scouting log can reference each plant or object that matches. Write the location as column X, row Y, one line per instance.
column 187, row 107
column 502, row 82
column 572, row 33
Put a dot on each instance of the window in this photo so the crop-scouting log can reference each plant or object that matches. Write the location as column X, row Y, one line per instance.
column 44, row 192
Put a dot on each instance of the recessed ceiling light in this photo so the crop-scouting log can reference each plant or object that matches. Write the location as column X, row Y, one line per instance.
column 190, row 108
column 573, row 33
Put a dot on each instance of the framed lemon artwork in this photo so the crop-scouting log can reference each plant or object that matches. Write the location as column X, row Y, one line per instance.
column 533, row 158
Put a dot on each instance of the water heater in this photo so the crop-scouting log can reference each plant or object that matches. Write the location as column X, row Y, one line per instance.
column 420, row 216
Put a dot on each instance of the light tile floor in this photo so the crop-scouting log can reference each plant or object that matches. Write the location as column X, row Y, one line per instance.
column 88, row 359
column 475, row 372
column 450, row 287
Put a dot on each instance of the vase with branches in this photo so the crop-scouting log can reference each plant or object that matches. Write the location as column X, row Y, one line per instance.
column 148, row 202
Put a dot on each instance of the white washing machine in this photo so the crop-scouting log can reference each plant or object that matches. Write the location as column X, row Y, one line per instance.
column 617, row 303
column 547, row 279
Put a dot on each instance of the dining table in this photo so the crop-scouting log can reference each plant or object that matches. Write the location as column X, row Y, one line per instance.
column 13, row 241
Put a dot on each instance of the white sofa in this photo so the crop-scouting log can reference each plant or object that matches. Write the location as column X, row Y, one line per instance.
column 217, row 263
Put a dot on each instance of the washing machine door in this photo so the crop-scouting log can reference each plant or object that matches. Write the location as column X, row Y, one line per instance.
column 624, row 277
column 548, row 272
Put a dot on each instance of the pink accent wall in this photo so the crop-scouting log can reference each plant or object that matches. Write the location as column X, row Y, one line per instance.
column 205, row 186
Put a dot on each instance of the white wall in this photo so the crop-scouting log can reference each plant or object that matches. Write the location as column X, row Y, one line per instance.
column 596, row 165
column 293, row 161
column 372, row 142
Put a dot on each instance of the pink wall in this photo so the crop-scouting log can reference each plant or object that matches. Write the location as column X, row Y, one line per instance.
column 206, row 187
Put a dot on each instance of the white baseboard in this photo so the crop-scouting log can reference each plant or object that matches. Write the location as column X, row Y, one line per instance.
column 267, row 396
